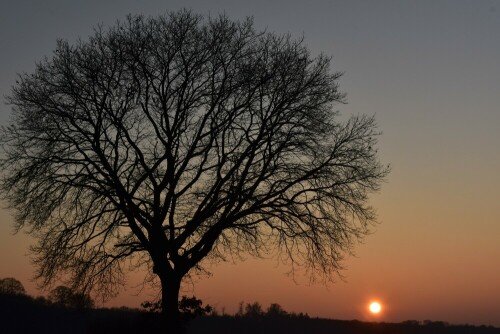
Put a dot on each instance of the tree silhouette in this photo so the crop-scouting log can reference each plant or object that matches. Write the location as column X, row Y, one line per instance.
column 275, row 310
column 66, row 297
column 178, row 139
column 192, row 307
column 254, row 310
column 11, row 286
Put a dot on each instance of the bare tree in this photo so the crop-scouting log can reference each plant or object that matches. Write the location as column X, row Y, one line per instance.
column 178, row 139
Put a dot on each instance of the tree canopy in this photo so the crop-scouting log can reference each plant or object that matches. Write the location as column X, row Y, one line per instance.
column 11, row 286
column 181, row 138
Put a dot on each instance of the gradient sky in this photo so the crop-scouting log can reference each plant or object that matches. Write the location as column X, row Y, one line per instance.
column 429, row 71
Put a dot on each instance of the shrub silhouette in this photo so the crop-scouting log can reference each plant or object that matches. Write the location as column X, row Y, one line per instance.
column 152, row 306
column 66, row 297
column 190, row 307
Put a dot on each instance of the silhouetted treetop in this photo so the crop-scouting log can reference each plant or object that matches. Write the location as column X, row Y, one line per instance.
column 179, row 138
column 275, row 310
column 66, row 297
column 11, row 286
column 253, row 310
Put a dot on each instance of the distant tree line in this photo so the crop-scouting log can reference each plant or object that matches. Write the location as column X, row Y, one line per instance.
column 255, row 309
column 60, row 296
column 65, row 311
column 192, row 307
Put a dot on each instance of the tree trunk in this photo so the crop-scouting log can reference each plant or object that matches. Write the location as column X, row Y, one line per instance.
column 170, row 286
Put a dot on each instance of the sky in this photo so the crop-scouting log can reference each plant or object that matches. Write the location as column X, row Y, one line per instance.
column 430, row 73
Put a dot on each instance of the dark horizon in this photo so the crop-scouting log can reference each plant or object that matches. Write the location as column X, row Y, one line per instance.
column 55, row 318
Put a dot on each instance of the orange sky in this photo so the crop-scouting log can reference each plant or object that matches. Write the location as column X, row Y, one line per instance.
column 430, row 73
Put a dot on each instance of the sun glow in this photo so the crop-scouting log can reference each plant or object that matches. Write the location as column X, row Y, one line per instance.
column 375, row 307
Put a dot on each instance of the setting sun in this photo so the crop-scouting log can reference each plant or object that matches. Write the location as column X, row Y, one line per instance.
column 375, row 308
